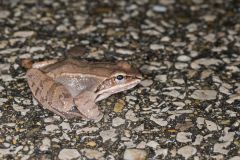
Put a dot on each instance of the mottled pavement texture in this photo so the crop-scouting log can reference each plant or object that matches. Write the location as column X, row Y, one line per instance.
column 187, row 106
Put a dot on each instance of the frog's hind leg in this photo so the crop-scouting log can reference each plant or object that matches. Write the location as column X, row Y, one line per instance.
column 42, row 64
column 51, row 94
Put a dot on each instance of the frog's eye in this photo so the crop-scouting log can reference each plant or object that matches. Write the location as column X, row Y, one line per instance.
column 120, row 77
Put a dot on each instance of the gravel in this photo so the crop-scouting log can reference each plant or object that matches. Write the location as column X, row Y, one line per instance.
column 186, row 107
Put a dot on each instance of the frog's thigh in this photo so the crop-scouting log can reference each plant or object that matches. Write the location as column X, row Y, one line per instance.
column 44, row 63
column 52, row 95
column 85, row 103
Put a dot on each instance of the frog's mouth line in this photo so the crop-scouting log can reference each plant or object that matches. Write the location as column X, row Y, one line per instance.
column 119, row 88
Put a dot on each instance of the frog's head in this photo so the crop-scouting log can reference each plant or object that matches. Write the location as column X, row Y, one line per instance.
column 123, row 77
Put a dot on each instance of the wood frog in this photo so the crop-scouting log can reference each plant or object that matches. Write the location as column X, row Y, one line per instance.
column 71, row 88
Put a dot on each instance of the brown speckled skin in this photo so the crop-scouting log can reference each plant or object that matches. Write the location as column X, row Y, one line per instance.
column 70, row 88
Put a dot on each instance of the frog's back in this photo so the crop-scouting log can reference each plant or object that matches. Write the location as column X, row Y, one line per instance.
column 80, row 67
column 68, row 72
column 60, row 65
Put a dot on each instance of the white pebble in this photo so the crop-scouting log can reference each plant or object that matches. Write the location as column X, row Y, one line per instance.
column 92, row 154
column 51, row 128
column 24, row 34
column 135, row 154
column 183, row 58
column 153, row 144
column 184, row 137
column 108, row 134
column 65, row 126
column 211, row 126
column 204, row 94
column 124, row 51
column 159, row 8
column 117, row 121
column 146, row 83
column 67, row 154
column 159, row 121
column 156, row 47
column 46, row 144
column 161, row 78
column 130, row 115
column 187, row 151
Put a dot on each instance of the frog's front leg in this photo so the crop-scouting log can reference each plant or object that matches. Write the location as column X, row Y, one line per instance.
column 51, row 94
column 85, row 103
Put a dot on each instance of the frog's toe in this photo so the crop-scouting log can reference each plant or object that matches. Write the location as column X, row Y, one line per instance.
column 99, row 117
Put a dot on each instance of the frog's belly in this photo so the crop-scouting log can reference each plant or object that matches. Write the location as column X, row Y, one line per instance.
column 77, row 85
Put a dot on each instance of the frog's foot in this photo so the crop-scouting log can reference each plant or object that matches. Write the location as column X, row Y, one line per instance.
column 87, row 107
column 74, row 112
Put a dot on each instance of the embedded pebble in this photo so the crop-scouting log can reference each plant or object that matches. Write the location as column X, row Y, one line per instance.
column 173, row 93
column 161, row 78
column 51, row 128
column 119, row 105
column 148, row 68
column 159, row 8
column 146, row 83
column 211, row 126
column 135, row 154
column 111, row 20
column 4, row 14
column 18, row 108
column 3, row 44
column 123, row 44
column 3, row 100
column 124, row 51
column 108, row 135
column 65, row 126
column 46, row 144
column 165, row 39
column 152, row 144
column 204, row 94
column 161, row 151
column 209, row 17
column 156, row 47
column 221, row 147
column 117, row 121
column 233, row 97
column 210, row 37
column 235, row 158
column 24, row 34
column 4, row 152
column 130, row 115
column 205, row 62
column 6, row 78
column 36, row 49
column 187, row 151
column 183, row 58
column 179, row 65
column 184, row 137
column 87, row 30
column 68, row 154
column 93, row 154
column 228, row 136
column 159, row 121
column 198, row 140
